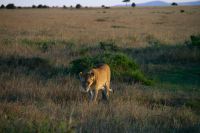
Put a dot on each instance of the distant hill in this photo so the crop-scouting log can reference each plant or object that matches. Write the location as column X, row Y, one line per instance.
column 154, row 3
column 162, row 3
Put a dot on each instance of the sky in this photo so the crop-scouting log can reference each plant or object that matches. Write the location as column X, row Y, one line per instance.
column 74, row 2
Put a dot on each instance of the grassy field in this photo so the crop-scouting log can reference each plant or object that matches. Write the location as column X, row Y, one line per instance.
column 39, row 94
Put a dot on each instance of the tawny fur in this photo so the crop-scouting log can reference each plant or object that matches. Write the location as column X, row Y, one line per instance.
column 97, row 79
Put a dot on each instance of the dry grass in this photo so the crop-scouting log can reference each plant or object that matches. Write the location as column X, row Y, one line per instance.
column 38, row 95
column 26, row 102
column 166, row 24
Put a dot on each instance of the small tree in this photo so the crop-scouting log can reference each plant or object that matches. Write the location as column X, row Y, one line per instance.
column 64, row 7
column 33, row 6
column 2, row 6
column 10, row 6
column 126, row 1
column 40, row 6
column 133, row 4
column 45, row 6
column 78, row 6
column 174, row 4
column 182, row 11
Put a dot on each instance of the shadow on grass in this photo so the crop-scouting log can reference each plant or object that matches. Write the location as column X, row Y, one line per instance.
column 166, row 54
column 40, row 70
column 30, row 66
column 173, row 102
column 175, row 65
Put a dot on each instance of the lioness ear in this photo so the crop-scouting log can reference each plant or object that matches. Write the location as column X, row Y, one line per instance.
column 80, row 74
column 92, row 73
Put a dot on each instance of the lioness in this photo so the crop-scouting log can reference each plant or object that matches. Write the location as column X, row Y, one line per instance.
column 96, row 79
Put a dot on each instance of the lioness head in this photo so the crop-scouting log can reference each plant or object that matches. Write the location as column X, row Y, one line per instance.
column 87, row 80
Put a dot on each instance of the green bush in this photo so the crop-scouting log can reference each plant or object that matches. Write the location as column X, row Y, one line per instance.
column 108, row 46
column 101, row 47
column 43, row 45
column 195, row 40
column 123, row 68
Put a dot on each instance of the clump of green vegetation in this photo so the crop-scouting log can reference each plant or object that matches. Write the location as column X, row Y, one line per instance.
column 70, row 44
column 118, row 26
column 194, row 104
column 101, row 19
column 108, row 46
column 101, row 47
column 43, row 45
column 153, row 41
column 7, row 41
column 123, row 68
column 195, row 40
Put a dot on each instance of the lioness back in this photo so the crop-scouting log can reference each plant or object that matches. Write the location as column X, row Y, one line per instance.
column 102, row 74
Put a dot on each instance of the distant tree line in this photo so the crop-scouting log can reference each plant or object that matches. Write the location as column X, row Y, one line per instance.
column 78, row 6
column 9, row 6
column 12, row 6
column 41, row 6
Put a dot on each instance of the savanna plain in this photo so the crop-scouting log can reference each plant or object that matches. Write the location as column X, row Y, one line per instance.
column 154, row 54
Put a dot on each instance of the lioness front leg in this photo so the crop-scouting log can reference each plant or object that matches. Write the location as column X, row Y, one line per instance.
column 95, row 95
column 91, row 95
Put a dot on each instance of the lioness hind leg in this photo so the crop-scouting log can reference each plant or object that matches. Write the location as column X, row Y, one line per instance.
column 107, row 86
column 104, row 94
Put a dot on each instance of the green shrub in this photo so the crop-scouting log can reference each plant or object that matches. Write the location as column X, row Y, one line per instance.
column 118, row 26
column 101, row 47
column 152, row 41
column 7, row 41
column 69, row 44
column 101, row 19
column 43, row 45
column 195, row 40
column 123, row 68
column 109, row 45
